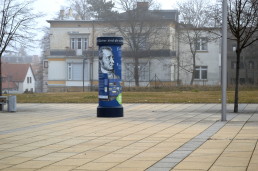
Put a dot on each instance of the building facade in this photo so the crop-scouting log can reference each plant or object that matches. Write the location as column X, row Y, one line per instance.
column 72, row 63
column 73, row 59
column 200, row 56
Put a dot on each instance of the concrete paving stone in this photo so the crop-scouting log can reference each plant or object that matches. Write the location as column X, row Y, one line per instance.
column 97, row 166
column 209, row 152
column 252, row 167
column 179, row 154
column 237, row 154
column 113, row 158
column 150, row 158
column 205, row 159
column 186, row 170
column 215, row 144
column 158, row 169
column 149, row 134
column 32, row 164
column 136, row 164
column 232, row 161
column 193, row 165
column 126, row 150
column 5, row 154
column 125, row 169
column 4, row 166
column 14, row 160
column 72, row 162
column 56, row 156
column 170, row 160
column 57, row 168
column 89, row 155
column 18, row 169
column 35, row 153
column 254, row 159
column 221, row 168
column 162, row 164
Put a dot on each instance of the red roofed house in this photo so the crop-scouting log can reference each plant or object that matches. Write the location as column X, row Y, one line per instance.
column 17, row 78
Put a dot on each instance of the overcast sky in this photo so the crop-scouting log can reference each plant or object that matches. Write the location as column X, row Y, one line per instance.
column 52, row 7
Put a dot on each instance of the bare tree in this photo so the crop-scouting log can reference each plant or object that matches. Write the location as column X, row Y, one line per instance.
column 92, row 9
column 17, row 22
column 82, row 8
column 243, row 25
column 141, row 30
column 196, row 30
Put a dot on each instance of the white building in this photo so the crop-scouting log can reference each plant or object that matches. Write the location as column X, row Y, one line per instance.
column 73, row 48
column 205, row 47
column 18, row 78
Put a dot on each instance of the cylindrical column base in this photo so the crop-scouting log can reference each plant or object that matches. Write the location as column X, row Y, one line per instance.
column 110, row 111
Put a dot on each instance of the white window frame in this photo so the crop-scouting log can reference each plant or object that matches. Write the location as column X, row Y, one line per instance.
column 73, row 43
column 202, row 44
column 79, row 43
column 201, row 69
column 70, row 71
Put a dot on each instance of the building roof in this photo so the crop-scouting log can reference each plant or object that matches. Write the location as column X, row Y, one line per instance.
column 17, row 72
column 9, row 85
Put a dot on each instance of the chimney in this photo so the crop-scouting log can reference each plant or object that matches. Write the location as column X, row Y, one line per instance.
column 143, row 6
column 70, row 12
column 61, row 15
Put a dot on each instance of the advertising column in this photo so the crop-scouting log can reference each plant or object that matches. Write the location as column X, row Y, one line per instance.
column 110, row 89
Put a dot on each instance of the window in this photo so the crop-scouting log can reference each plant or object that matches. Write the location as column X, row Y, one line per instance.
column 29, row 80
column 45, row 64
column 75, row 72
column 201, row 72
column 202, row 44
column 251, row 65
column 79, row 43
column 72, row 43
column 242, row 81
column 233, row 65
column 143, row 43
column 142, row 69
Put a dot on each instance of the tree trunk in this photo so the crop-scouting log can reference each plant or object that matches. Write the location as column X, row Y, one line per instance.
column 193, row 73
column 136, row 72
column 237, row 81
column 1, row 106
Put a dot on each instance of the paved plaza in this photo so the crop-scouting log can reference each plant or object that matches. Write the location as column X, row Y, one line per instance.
column 151, row 137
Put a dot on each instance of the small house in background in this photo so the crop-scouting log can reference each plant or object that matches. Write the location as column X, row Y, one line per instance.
column 17, row 78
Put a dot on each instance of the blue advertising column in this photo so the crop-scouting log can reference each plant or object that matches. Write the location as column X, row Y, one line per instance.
column 110, row 89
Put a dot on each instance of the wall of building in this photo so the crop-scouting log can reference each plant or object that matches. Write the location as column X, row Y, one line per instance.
column 209, row 58
column 29, row 82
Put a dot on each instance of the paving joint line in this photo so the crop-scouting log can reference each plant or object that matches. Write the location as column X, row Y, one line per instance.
column 174, row 158
column 173, row 135
column 40, row 125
